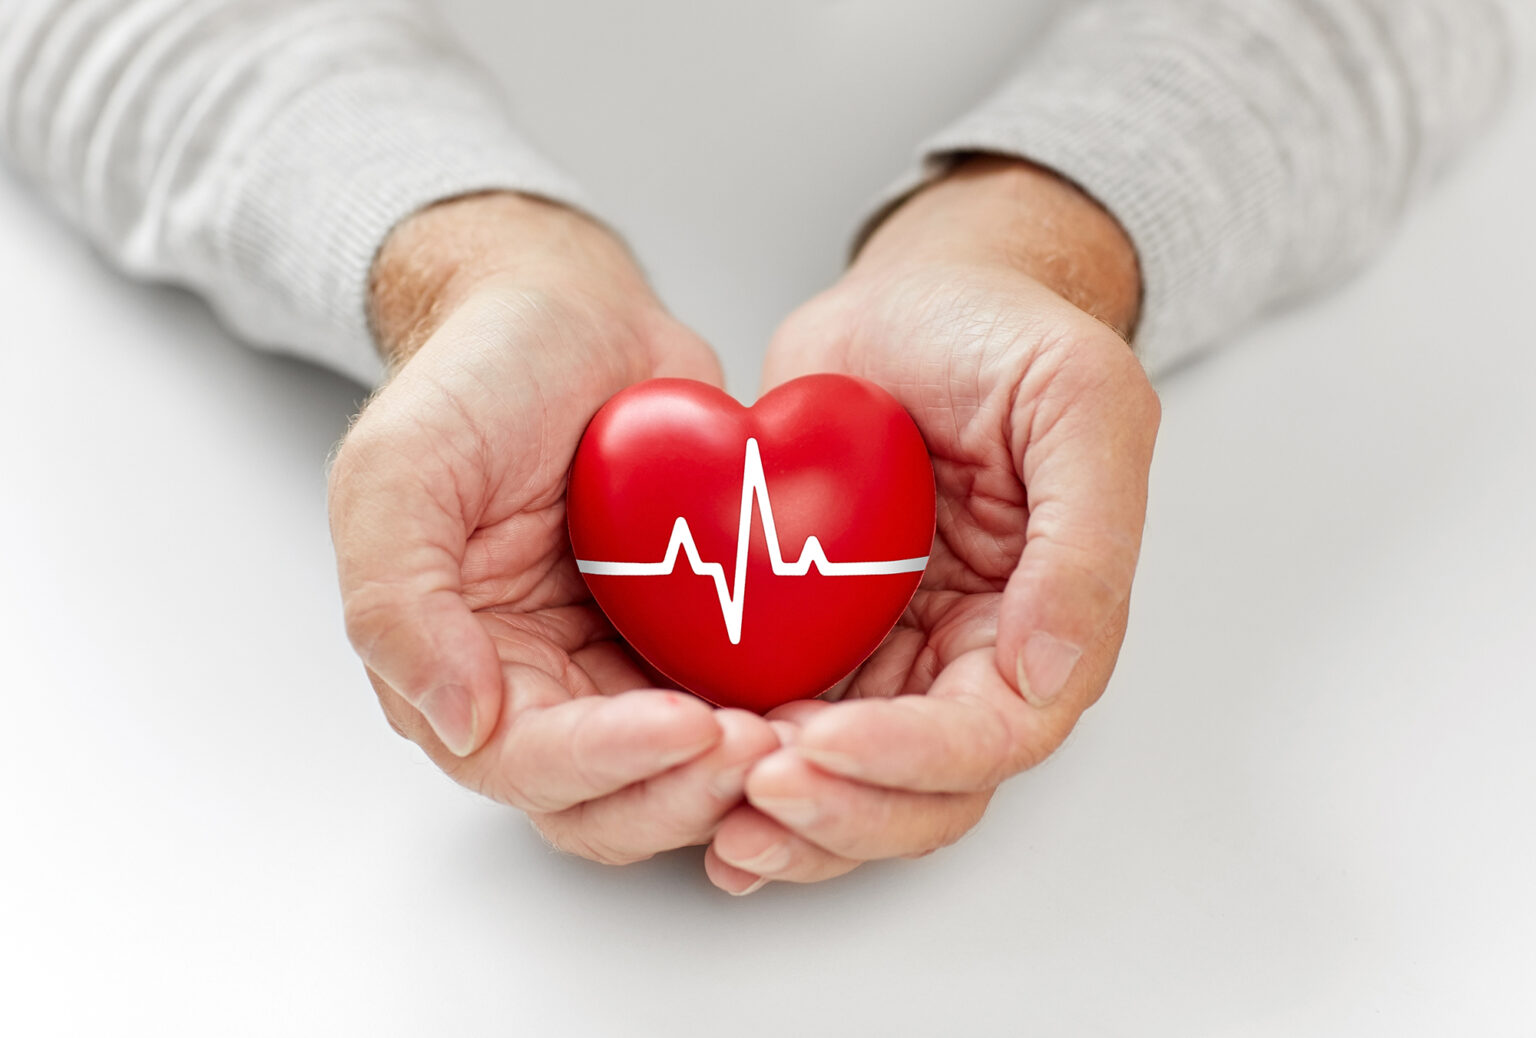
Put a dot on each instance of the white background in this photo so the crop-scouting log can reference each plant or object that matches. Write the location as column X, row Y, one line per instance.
column 1306, row 806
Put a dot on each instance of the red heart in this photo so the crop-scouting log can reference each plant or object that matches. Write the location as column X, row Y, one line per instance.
column 670, row 465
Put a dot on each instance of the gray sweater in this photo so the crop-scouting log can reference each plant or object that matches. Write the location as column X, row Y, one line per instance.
column 259, row 151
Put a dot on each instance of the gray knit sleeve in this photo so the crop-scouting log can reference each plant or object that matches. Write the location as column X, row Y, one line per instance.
column 257, row 151
column 1254, row 150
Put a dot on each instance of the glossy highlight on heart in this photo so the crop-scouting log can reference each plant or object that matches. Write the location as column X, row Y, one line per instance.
column 753, row 555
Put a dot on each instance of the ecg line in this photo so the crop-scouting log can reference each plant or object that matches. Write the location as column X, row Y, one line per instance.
column 754, row 486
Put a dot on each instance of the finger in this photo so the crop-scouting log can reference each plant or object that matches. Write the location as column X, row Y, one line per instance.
column 677, row 808
column 968, row 733
column 1084, row 429
column 797, row 711
column 854, row 820
column 400, row 535
column 734, row 881
column 788, row 718
column 750, row 849
column 958, row 738
column 550, row 758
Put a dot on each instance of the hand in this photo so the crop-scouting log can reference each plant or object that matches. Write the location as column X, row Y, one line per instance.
column 508, row 322
column 975, row 304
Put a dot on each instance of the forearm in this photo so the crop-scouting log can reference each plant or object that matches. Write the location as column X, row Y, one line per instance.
column 257, row 151
column 1253, row 150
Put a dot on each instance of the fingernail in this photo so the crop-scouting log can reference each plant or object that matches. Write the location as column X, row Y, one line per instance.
column 785, row 731
column 795, row 813
column 762, row 881
column 1048, row 662
column 830, row 760
column 450, row 710
column 728, row 784
column 774, row 859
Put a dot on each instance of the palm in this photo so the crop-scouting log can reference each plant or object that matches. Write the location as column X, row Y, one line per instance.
column 448, row 514
column 954, row 359
column 520, row 579
column 455, row 478
column 1039, row 422
column 518, row 574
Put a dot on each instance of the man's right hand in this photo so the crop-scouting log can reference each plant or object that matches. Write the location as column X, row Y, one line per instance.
column 508, row 322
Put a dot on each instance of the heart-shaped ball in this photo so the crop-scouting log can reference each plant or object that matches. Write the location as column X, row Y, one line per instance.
column 753, row 555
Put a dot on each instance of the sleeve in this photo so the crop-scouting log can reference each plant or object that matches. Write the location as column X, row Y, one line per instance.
column 1253, row 150
column 255, row 151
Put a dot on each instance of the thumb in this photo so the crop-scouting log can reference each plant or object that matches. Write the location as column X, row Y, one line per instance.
column 1082, row 439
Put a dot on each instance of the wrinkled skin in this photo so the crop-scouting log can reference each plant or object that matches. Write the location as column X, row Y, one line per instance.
column 1041, row 425
column 448, row 513
column 510, row 322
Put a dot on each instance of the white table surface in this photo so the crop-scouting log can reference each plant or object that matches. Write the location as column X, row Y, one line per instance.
column 1306, row 806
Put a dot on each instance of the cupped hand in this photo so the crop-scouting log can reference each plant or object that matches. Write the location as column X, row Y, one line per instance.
column 994, row 305
column 509, row 322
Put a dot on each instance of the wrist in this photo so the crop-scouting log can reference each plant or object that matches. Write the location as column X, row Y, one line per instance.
column 997, row 211
column 437, row 258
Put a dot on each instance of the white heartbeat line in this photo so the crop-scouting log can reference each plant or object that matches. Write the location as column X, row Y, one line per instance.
column 754, row 485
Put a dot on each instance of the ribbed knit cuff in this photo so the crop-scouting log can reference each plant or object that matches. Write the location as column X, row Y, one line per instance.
column 338, row 167
column 1251, row 151
column 1143, row 155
